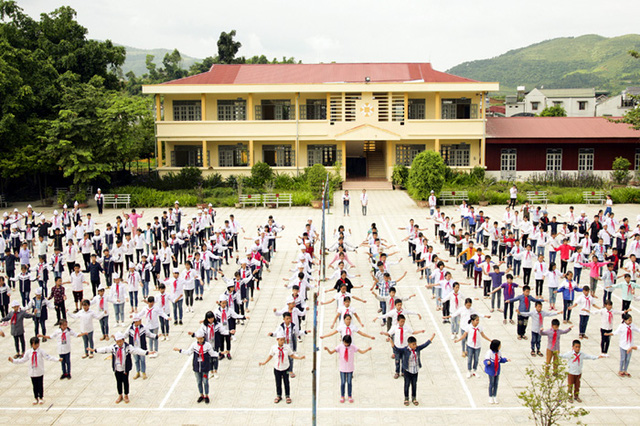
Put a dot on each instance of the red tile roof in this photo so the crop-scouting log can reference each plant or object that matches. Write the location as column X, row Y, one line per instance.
column 557, row 127
column 320, row 73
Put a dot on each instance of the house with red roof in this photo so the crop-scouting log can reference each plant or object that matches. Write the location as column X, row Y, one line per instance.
column 361, row 117
column 520, row 146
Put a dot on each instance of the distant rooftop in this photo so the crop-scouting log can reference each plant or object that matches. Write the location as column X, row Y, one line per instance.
column 321, row 73
column 569, row 93
column 558, row 127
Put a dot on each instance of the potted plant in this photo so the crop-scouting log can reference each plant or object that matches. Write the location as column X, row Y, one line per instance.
column 81, row 198
column 399, row 176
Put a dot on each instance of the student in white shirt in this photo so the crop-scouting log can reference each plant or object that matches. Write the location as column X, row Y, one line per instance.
column 118, row 297
column 625, row 331
column 35, row 356
column 473, row 334
column 398, row 336
column 62, row 335
column 86, row 317
column 606, row 325
column 584, row 303
column 203, row 357
column 280, row 354
column 364, row 201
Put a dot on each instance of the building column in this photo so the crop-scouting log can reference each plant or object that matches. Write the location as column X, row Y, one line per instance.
column 159, row 157
column 484, row 107
column 203, row 106
column 438, row 106
column 343, row 169
column 205, row 156
column 483, row 149
column 436, row 147
column 251, row 155
column 390, row 150
column 158, row 108
column 406, row 106
column 250, row 108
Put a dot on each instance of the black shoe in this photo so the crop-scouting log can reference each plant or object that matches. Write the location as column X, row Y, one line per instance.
column 200, row 399
column 175, row 323
column 64, row 376
column 206, row 399
column 180, row 322
column 69, row 376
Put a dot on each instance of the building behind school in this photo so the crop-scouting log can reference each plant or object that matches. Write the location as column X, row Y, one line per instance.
column 362, row 118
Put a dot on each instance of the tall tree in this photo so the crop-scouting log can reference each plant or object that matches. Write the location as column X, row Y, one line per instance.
column 228, row 47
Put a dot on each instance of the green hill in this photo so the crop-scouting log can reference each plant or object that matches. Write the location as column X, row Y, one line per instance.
column 136, row 59
column 568, row 62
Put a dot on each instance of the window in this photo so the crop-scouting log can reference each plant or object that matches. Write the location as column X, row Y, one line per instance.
column 585, row 159
column 278, row 155
column 327, row 155
column 456, row 155
column 314, row 109
column 187, row 111
column 557, row 103
column 186, row 156
column 554, row 160
column 279, row 109
column 233, row 155
column 406, row 153
column 232, row 110
column 457, row 109
column 535, row 106
column 582, row 105
column 637, row 165
column 508, row 159
column 417, row 109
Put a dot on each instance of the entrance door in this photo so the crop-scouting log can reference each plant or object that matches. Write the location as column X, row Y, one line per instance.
column 356, row 167
column 508, row 164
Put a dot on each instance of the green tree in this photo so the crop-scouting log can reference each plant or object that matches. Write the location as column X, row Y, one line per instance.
column 553, row 111
column 261, row 173
column 228, row 47
column 426, row 174
column 620, row 173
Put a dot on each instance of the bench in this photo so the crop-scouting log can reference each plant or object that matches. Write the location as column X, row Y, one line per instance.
column 593, row 197
column 3, row 201
column 277, row 200
column 536, row 197
column 115, row 199
column 250, row 199
column 453, row 196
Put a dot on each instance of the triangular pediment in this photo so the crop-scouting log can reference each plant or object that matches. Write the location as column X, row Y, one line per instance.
column 367, row 132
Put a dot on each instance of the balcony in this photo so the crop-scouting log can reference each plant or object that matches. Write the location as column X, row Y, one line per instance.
column 318, row 129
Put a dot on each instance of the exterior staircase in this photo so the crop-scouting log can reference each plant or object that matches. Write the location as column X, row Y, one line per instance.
column 376, row 165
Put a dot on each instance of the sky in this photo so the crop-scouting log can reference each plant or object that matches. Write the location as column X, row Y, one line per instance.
column 444, row 33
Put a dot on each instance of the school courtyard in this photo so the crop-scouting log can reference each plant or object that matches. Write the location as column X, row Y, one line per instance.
column 244, row 392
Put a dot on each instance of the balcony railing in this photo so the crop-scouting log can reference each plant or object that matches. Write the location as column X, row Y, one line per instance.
column 275, row 112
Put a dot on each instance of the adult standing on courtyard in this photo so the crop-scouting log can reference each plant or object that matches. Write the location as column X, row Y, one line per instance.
column 514, row 196
column 364, row 201
column 99, row 201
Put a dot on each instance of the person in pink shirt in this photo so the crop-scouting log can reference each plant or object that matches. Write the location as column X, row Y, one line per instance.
column 346, row 354
column 134, row 218
column 594, row 272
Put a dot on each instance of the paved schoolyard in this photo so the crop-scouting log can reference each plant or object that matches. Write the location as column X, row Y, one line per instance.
column 244, row 392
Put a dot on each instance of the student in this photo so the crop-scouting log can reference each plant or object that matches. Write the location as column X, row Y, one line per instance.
column 77, row 281
column 102, row 302
column 203, row 355
column 39, row 307
column 473, row 333
column 86, row 317
column 36, row 357
column 396, row 312
column 576, row 360
column 625, row 331
column 398, row 336
column 411, row 364
column 568, row 289
column 210, row 332
column 224, row 315
column 537, row 323
column 121, row 363
column 16, row 317
column 280, row 354
column 346, row 329
column 606, row 325
column 492, row 360
column 58, row 296
column 346, row 359
column 509, row 293
column 291, row 335
column 525, row 300
column 163, row 299
column 152, row 314
column 137, row 334
column 62, row 334
column 553, row 344
column 628, row 289
column 5, row 297
column 585, row 302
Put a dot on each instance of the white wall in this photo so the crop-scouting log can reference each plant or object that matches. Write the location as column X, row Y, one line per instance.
column 522, row 175
column 611, row 107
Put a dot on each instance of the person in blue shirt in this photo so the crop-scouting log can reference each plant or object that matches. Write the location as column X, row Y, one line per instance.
column 525, row 302
column 492, row 360
column 411, row 365
column 568, row 289
column 94, row 269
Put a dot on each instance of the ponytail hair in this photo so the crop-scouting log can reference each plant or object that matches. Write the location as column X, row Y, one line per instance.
column 472, row 318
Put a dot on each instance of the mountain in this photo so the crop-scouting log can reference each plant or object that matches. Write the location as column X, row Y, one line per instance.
column 567, row 62
column 136, row 59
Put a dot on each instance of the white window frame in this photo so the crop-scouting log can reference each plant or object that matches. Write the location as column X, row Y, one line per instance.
column 554, row 160
column 637, row 165
column 508, row 163
column 585, row 159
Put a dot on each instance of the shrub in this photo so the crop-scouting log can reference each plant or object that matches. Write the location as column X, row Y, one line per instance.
column 426, row 174
column 283, row 181
column 565, row 179
column 189, row 178
column 625, row 195
column 620, row 173
column 316, row 176
column 213, row 181
column 301, row 198
column 477, row 173
column 260, row 174
column 400, row 175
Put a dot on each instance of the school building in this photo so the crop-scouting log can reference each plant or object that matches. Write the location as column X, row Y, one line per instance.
column 520, row 146
column 363, row 118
